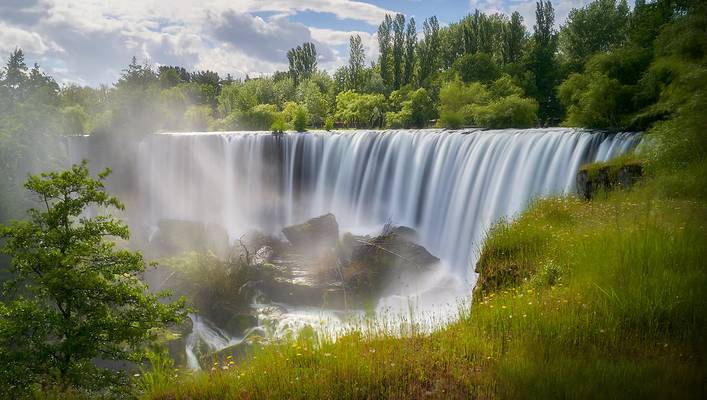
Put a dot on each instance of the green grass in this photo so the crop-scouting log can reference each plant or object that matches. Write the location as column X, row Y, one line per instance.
column 605, row 298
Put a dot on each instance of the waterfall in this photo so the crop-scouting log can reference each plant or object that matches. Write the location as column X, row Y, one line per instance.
column 448, row 185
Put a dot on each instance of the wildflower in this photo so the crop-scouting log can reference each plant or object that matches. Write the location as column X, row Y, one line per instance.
column 525, row 315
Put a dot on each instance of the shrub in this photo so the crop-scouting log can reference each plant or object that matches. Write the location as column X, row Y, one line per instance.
column 508, row 112
column 329, row 123
column 260, row 117
column 300, row 119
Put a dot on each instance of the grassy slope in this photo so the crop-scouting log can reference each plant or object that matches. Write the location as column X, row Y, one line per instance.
column 576, row 299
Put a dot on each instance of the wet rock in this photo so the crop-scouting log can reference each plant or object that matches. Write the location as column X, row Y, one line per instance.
column 318, row 232
column 223, row 358
column 370, row 263
column 264, row 254
column 238, row 324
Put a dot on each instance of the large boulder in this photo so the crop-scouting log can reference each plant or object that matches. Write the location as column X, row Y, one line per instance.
column 369, row 263
column 318, row 232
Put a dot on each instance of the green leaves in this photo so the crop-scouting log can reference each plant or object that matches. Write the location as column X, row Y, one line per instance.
column 76, row 297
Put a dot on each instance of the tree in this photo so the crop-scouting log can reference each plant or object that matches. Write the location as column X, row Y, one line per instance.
column 303, row 61
column 15, row 70
column 315, row 102
column 398, row 49
column 410, row 44
column 75, row 297
column 598, row 27
column 360, row 110
column 543, row 61
column 428, row 50
column 415, row 111
column 385, row 30
column 357, row 60
column 478, row 67
column 299, row 122
column 137, row 76
column 513, row 39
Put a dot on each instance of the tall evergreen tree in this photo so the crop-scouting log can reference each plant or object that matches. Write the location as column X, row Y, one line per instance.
column 357, row 59
column 15, row 75
column 410, row 44
column 398, row 49
column 543, row 61
column 385, row 32
column 429, row 49
column 513, row 39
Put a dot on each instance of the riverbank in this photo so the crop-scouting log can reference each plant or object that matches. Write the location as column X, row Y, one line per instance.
column 575, row 297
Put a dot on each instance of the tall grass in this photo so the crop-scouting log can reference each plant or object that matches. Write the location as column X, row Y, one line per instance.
column 604, row 299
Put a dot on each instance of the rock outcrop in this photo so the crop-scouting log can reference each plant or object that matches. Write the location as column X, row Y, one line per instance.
column 318, row 232
column 594, row 178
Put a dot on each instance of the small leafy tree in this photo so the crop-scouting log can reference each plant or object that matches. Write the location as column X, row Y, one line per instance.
column 75, row 297
column 299, row 121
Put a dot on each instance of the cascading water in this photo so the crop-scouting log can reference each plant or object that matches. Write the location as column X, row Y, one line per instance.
column 448, row 185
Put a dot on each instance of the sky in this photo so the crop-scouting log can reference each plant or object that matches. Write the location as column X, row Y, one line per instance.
column 89, row 42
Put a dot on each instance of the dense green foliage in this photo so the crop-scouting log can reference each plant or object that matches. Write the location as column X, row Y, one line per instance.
column 573, row 296
column 605, row 67
column 496, row 105
column 74, row 297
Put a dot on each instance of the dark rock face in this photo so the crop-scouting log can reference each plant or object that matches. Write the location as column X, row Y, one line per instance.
column 317, row 232
column 628, row 175
column 607, row 177
column 370, row 263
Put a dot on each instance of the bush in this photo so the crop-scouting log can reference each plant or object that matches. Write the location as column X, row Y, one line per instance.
column 279, row 125
column 499, row 106
column 508, row 112
column 260, row 117
column 360, row 110
column 329, row 123
column 300, row 119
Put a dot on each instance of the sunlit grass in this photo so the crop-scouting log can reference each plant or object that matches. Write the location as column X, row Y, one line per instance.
column 605, row 298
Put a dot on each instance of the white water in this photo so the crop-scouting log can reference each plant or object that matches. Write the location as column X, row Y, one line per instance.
column 448, row 185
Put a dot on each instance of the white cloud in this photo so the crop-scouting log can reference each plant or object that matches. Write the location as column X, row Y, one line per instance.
column 91, row 40
column 12, row 37
column 526, row 8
